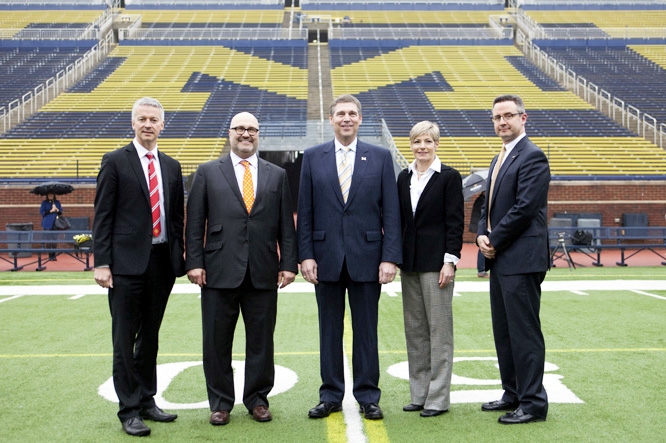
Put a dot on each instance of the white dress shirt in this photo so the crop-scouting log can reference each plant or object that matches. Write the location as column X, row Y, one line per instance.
column 240, row 170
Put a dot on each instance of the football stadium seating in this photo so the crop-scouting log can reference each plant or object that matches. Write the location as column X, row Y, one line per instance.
column 450, row 79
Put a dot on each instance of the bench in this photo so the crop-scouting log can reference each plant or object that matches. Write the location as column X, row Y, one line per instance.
column 628, row 240
column 13, row 243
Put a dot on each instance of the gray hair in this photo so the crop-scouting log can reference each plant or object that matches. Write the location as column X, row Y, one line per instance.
column 147, row 101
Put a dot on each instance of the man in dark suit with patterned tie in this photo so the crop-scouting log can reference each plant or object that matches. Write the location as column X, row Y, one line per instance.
column 138, row 235
column 241, row 247
column 513, row 237
column 349, row 241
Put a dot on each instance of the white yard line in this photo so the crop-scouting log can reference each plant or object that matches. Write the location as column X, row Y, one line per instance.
column 395, row 288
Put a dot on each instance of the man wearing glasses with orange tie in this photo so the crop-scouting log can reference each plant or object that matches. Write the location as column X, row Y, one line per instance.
column 239, row 215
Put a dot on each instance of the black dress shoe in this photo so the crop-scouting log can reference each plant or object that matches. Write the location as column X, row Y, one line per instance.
column 324, row 409
column 372, row 411
column 156, row 414
column 136, row 427
column 518, row 417
column 412, row 407
column 433, row 412
column 499, row 405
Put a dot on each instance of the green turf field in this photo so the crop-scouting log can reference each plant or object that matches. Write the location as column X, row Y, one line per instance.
column 605, row 352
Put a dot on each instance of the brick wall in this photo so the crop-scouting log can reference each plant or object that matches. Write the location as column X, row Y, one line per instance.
column 609, row 198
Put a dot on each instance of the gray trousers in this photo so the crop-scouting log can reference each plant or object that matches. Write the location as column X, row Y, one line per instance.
column 428, row 318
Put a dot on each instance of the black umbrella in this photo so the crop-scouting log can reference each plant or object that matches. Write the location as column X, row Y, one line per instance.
column 475, row 183
column 57, row 188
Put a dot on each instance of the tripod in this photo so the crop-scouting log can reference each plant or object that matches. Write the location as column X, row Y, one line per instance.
column 562, row 245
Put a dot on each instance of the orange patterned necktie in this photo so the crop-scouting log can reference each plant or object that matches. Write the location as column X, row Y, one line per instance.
column 154, row 195
column 248, row 188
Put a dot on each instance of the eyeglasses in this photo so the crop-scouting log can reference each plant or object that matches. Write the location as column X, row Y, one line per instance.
column 508, row 116
column 240, row 130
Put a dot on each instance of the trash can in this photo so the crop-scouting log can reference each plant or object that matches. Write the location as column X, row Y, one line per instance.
column 19, row 227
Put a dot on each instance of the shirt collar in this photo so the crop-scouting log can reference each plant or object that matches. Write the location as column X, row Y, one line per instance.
column 512, row 144
column 235, row 159
column 143, row 151
column 339, row 146
column 436, row 165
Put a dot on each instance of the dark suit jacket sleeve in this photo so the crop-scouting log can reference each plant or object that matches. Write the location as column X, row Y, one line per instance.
column 176, row 215
column 105, row 196
column 305, row 209
column 287, row 234
column 197, row 212
column 392, row 242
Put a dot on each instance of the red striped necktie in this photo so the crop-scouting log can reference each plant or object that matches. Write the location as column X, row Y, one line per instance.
column 154, row 195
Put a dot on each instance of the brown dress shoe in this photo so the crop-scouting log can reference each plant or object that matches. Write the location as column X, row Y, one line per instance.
column 219, row 418
column 261, row 413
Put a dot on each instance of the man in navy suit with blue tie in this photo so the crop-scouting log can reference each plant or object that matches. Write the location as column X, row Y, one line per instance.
column 348, row 240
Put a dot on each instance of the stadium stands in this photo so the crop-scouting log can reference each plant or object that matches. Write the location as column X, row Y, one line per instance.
column 401, row 76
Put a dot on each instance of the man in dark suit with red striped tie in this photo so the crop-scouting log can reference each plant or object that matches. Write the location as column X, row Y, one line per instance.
column 138, row 240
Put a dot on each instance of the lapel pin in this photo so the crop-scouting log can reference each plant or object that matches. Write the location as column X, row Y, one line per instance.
column 363, row 158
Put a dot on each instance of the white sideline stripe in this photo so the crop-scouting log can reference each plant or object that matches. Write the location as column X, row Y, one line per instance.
column 76, row 297
column 350, row 412
column 649, row 295
column 580, row 293
column 391, row 293
column 303, row 287
column 10, row 298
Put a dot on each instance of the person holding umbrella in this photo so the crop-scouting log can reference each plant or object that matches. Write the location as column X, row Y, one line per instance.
column 50, row 209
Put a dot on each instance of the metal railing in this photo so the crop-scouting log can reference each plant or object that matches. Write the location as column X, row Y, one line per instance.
column 21, row 108
column 393, row 33
column 212, row 34
column 629, row 116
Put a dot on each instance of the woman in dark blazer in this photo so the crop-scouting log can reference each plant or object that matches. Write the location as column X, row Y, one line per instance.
column 432, row 215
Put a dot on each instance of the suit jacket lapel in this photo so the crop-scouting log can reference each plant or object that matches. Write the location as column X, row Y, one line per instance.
column 330, row 168
column 428, row 186
column 263, row 172
column 506, row 164
column 165, row 180
column 135, row 164
column 227, row 168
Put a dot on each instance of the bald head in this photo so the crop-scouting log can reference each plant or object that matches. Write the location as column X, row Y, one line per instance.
column 245, row 143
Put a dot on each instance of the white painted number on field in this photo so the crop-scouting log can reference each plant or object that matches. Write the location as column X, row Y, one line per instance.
column 285, row 379
column 557, row 391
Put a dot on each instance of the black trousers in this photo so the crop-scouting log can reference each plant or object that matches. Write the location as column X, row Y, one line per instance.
column 220, row 309
column 364, row 306
column 137, row 304
column 515, row 302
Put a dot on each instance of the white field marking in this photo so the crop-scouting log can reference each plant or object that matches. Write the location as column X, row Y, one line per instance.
column 461, row 287
column 649, row 295
column 557, row 391
column 580, row 293
column 350, row 412
column 76, row 297
column 285, row 379
column 457, row 294
column 391, row 293
column 9, row 298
